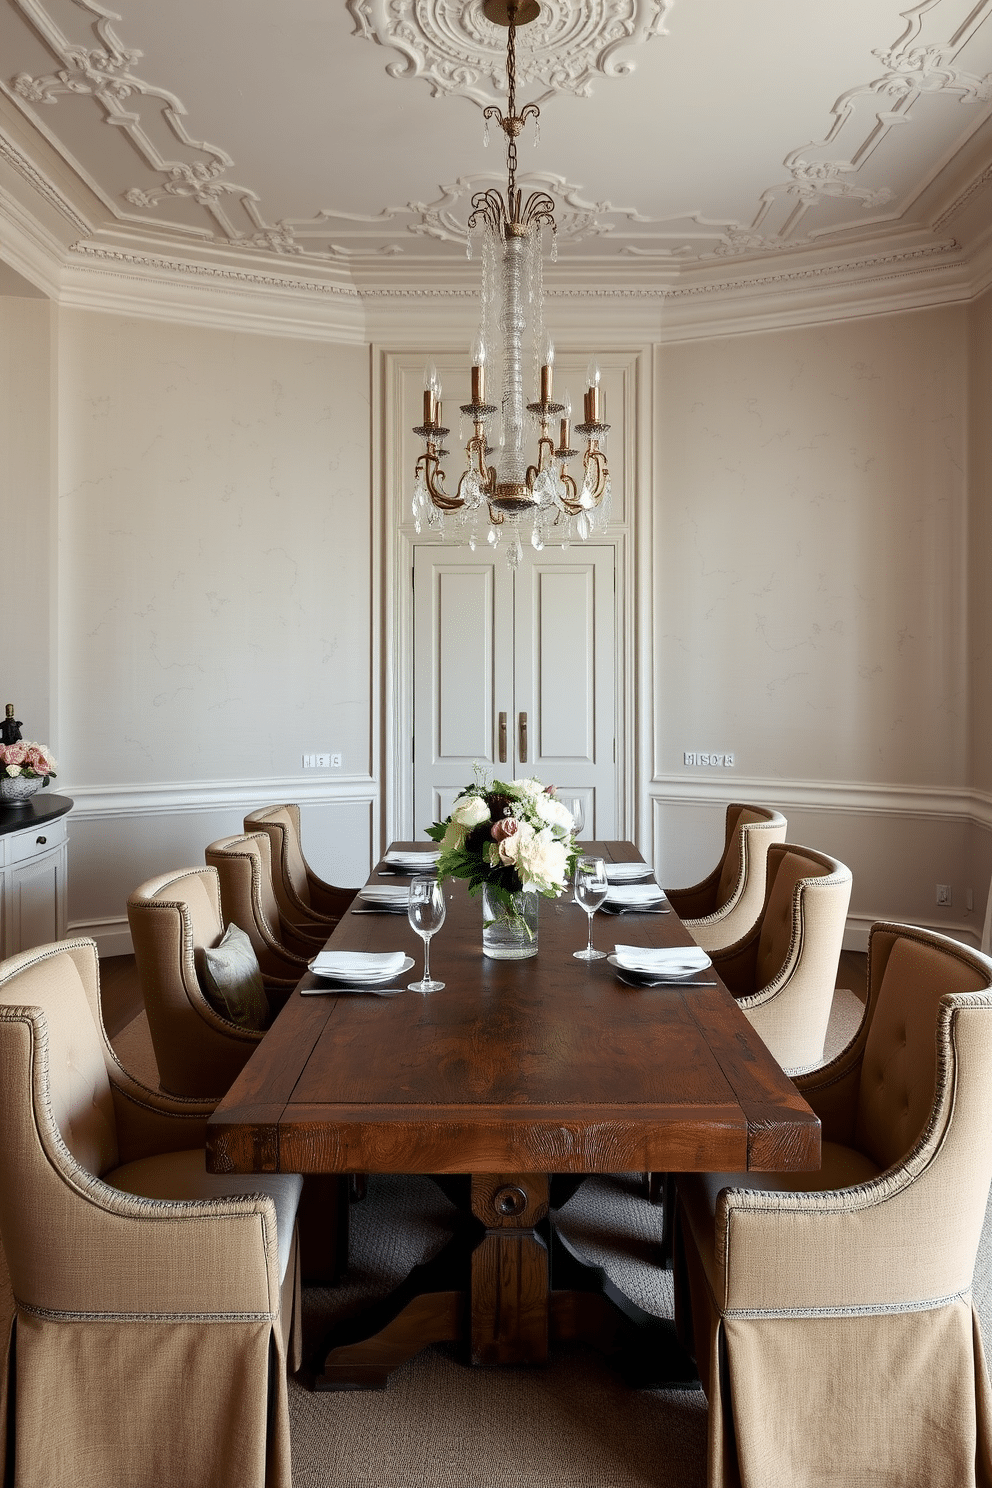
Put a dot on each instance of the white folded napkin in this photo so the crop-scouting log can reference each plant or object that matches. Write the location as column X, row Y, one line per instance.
column 663, row 961
column 359, row 966
column 385, row 893
column 425, row 858
column 623, row 873
column 634, row 894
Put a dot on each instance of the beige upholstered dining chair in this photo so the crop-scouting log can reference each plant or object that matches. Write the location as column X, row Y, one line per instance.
column 174, row 918
column 155, row 1306
column 305, row 901
column 784, row 970
column 830, row 1312
column 248, row 899
column 723, row 907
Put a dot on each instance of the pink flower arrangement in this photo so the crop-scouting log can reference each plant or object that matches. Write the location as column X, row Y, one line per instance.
column 25, row 758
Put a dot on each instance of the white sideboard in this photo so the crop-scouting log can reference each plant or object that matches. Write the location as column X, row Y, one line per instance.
column 33, row 860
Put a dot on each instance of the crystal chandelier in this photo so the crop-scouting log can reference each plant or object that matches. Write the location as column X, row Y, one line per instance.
column 510, row 493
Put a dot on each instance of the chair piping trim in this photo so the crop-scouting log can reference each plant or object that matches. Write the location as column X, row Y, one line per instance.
column 855, row 1309
column 60, row 1315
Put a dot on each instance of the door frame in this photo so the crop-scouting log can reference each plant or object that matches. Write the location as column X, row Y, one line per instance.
column 394, row 454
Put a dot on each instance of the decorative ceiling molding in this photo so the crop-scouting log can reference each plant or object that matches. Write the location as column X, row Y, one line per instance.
column 916, row 65
column 19, row 162
column 153, row 263
column 455, row 49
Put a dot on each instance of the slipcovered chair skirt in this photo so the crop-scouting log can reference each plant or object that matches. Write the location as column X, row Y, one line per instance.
column 155, row 1306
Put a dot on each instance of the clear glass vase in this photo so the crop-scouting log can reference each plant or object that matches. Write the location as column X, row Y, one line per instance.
column 509, row 934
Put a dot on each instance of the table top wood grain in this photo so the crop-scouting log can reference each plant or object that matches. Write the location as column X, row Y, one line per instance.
column 544, row 1065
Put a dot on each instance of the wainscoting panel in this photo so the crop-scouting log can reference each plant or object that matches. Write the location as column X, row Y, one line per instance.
column 898, row 843
column 120, row 837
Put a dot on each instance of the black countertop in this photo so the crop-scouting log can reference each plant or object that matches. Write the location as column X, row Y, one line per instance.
column 43, row 807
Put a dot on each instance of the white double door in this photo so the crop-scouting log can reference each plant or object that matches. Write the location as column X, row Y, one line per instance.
column 516, row 672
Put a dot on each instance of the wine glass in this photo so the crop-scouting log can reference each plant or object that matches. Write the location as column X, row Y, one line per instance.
column 578, row 816
column 426, row 915
column 590, row 891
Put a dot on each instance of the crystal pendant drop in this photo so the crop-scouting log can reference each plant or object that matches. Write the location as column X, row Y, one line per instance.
column 492, row 537
column 514, row 553
column 582, row 525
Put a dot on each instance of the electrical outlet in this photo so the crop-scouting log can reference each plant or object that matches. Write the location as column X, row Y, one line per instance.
column 943, row 893
column 694, row 757
column 321, row 761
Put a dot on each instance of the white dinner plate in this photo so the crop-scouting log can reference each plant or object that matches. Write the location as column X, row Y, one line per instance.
column 694, row 976
column 370, row 978
column 621, row 873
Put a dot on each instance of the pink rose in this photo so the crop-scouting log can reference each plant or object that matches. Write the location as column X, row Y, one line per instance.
column 38, row 760
column 505, row 827
column 15, row 754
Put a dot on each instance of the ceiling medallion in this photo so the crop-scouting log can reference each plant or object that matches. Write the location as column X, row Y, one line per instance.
column 455, row 48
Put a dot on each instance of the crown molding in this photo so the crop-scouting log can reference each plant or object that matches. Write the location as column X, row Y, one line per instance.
column 127, row 281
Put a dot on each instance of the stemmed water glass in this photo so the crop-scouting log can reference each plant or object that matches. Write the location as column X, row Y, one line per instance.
column 591, row 888
column 426, row 915
column 578, row 817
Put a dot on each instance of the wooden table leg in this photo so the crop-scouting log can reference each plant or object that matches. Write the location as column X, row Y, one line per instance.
column 510, row 1279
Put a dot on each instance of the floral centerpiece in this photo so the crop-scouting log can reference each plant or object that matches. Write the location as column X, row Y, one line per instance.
column 24, row 768
column 512, row 840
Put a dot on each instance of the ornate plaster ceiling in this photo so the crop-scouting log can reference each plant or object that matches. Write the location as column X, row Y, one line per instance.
column 344, row 138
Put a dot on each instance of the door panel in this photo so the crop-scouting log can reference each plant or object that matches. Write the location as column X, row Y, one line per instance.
column 461, row 606
column 565, row 658
column 539, row 646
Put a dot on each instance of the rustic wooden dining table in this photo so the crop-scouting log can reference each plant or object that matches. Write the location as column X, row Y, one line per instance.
column 516, row 1071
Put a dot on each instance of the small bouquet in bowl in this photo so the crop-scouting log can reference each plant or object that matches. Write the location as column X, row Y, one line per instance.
column 24, row 768
column 507, row 837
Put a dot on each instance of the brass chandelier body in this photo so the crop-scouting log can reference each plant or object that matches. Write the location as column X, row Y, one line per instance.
column 512, row 230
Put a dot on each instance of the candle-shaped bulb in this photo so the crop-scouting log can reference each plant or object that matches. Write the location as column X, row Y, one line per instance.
column 547, row 367
column 478, row 370
column 592, row 396
column 432, row 392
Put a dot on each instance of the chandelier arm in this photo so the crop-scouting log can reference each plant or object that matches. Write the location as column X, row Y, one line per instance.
column 597, row 473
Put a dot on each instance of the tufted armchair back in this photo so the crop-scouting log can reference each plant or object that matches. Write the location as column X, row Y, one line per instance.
column 173, row 918
column 899, row 1066
column 281, row 824
column 80, row 1098
column 306, row 903
column 783, row 972
column 723, row 907
column 244, row 864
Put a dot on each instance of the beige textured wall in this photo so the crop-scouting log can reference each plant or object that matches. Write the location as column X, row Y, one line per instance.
column 27, row 597
column 811, row 509
column 215, row 580
column 215, row 536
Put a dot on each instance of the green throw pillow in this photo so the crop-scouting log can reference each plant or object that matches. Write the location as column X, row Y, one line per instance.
column 232, row 981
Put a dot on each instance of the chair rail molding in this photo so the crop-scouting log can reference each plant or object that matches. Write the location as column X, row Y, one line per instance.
column 103, row 802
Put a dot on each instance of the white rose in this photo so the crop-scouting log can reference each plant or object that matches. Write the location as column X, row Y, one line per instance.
column 553, row 812
column 13, row 770
column 542, row 862
column 526, row 790
column 469, row 812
